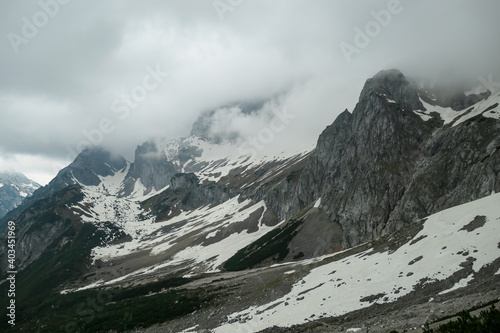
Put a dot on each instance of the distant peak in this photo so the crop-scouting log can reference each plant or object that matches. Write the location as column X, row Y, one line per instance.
column 91, row 163
column 15, row 176
column 99, row 154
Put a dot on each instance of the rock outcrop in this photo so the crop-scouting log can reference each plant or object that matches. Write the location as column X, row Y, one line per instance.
column 152, row 167
column 382, row 166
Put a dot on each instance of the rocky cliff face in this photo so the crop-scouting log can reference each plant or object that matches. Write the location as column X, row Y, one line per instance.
column 152, row 167
column 384, row 166
column 398, row 157
column 46, row 221
column 89, row 165
column 40, row 224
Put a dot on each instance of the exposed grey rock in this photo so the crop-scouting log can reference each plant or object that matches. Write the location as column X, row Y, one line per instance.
column 40, row 224
column 458, row 100
column 186, row 193
column 152, row 167
column 382, row 166
column 90, row 164
column 85, row 169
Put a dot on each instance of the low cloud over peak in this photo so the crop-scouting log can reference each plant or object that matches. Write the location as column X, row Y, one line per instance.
column 134, row 71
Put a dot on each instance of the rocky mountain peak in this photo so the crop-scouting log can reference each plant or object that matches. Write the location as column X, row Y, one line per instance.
column 99, row 160
column 393, row 85
column 151, row 166
column 92, row 163
column 457, row 100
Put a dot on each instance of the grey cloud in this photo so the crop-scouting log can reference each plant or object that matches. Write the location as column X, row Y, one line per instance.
column 64, row 81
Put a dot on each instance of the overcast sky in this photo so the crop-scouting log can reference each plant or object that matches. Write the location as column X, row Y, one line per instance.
column 67, row 67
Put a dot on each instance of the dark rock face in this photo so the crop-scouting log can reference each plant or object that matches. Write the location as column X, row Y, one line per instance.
column 186, row 193
column 365, row 159
column 90, row 164
column 152, row 167
column 187, row 181
column 459, row 101
column 393, row 84
column 41, row 223
column 383, row 166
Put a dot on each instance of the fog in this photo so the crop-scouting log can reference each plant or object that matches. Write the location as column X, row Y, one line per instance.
column 122, row 72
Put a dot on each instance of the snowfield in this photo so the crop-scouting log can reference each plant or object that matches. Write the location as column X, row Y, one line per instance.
column 489, row 108
column 204, row 223
column 218, row 160
column 466, row 235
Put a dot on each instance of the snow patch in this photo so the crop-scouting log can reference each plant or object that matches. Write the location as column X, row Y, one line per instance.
column 446, row 114
column 317, row 203
column 460, row 284
column 383, row 277
column 486, row 108
column 202, row 223
column 216, row 161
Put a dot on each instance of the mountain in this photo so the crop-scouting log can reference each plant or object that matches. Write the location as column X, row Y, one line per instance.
column 401, row 182
column 395, row 159
column 431, row 261
column 14, row 188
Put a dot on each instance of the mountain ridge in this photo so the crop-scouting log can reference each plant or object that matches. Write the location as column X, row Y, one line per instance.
column 191, row 208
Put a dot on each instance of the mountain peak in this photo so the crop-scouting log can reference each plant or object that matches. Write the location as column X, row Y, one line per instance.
column 91, row 163
column 393, row 85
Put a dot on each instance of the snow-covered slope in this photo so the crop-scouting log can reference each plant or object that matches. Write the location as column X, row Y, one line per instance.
column 197, row 241
column 460, row 241
column 157, row 162
column 488, row 108
column 14, row 188
column 212, row 162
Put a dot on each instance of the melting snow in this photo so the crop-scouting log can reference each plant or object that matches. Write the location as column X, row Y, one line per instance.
column 384, row 276
column 460, row 284
column 146, row 234
column 218, row 160
column 317, row 203
column 448, row 115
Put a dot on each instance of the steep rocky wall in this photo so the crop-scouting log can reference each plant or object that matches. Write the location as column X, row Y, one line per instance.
column 383, row 166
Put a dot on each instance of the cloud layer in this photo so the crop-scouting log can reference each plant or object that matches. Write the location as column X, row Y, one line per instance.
column 71, row 69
